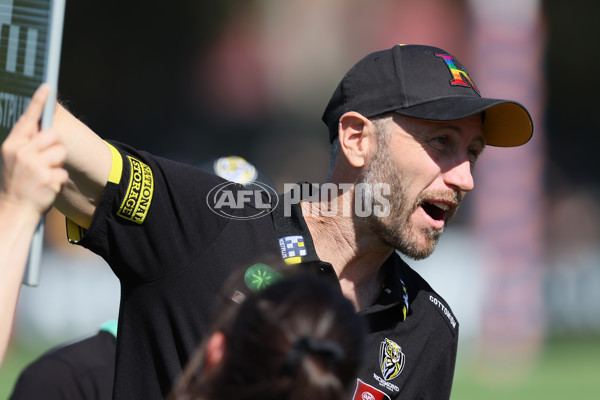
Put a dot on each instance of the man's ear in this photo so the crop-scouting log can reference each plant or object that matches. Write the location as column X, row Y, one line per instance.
column 215, row 350
column 357, row 138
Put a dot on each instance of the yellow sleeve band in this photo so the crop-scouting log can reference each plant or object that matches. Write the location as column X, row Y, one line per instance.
column 116, row 169
column 74, row 231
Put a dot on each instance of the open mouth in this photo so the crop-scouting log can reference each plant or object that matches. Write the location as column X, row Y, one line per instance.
column 436, row 210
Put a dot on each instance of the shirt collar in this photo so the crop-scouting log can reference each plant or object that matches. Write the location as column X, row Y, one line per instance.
column 297, row 246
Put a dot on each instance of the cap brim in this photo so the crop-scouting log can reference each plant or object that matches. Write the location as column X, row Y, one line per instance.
column 506, row 123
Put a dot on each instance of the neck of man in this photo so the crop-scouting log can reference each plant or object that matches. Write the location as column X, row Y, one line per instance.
column 353, row 250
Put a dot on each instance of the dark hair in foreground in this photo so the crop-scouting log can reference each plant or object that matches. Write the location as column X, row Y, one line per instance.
column 297, row 339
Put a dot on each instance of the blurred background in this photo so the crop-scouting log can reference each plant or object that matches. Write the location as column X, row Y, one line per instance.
column 189, row 80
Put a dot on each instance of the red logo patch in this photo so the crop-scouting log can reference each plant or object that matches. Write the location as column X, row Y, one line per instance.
column 367, row 392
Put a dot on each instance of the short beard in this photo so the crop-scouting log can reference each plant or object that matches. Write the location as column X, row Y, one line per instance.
column 395, row 229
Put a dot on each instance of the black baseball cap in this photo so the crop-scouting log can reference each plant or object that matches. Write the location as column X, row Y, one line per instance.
column 424, row 82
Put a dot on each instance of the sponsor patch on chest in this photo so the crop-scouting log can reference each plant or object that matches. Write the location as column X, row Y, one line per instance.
column 365, row 391
column 139, row 193
column 292, row 249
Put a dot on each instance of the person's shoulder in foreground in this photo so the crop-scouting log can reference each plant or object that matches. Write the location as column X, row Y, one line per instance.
column 81, row 370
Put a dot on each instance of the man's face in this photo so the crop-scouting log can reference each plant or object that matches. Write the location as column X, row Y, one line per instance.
column 428, row 166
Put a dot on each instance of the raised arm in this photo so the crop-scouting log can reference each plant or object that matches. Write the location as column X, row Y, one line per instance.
column 31, row 178
column 88, row 162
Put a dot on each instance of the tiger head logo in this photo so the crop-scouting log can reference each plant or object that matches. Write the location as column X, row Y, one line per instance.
column 391, row 359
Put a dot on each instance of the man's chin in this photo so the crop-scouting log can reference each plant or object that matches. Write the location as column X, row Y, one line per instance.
column 414, row 242
column 416, row 255
column 419, row 249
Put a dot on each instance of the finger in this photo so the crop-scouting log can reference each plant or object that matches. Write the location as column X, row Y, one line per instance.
column 33, row 112
column 53, row 156
column 58, row 177
column 27, row 124
column 45, row 188
column 43, row 151
column 44, row 139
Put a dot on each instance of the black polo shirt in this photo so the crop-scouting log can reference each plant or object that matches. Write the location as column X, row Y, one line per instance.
column 412, row 333
column 172, row 253
column 82, row 370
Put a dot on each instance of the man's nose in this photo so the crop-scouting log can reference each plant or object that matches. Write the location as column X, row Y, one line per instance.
column 460, row 176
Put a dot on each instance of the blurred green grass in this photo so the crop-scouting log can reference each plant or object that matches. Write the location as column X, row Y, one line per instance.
column 16, row 359
column 568, row 368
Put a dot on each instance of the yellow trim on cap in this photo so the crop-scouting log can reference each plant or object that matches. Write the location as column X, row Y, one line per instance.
column 507, row 125
column 116, row 169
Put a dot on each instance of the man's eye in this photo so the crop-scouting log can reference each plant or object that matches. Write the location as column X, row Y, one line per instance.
column 441, row 140
column 474, row 155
